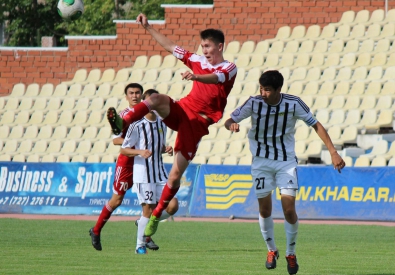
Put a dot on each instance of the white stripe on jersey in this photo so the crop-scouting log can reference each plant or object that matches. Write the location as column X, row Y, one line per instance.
column 273, row 127
column 150, row 135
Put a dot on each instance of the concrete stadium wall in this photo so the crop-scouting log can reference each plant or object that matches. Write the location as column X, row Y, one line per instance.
column 240, row 20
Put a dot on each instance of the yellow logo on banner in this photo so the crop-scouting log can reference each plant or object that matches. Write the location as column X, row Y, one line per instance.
column 224, row 190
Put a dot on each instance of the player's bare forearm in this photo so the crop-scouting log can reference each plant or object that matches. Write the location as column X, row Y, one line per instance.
column 129, row 152
column 231, row 125
column 165, row 42
column 117, row 141
column 204, row 78
column 337, row 161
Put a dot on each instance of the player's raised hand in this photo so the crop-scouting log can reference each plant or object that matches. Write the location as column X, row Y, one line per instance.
column 142, row 19
column 145, row 153
column 338, row 162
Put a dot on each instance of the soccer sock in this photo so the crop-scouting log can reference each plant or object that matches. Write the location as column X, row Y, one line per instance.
column 140, row 231
column 103, row 218
column 164, row 216
column 291, row 231
column 137, row 113
column 167, row 194
column 267, row 229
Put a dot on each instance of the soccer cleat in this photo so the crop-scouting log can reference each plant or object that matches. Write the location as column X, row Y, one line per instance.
column 271, row 260
column 292, row 264
column 95, row 240
column 151, row 227
column 141, row 250
column 115, row 121
column 149, row 243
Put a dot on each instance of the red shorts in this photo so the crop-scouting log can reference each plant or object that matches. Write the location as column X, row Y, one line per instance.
column 191, row 127
column 123, row 179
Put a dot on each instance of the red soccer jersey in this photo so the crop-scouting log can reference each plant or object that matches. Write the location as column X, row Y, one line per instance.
column 207, row 99
column 122, row 159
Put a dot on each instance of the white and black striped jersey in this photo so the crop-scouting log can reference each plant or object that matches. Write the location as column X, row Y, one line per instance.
column 273, row 127
column 151, row 135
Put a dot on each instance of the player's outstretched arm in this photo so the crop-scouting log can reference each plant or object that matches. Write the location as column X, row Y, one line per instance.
column 165, row 42
column 337, row 161
column 204, row 78
column 231, row 125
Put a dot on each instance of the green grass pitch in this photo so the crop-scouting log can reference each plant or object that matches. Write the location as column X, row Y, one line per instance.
column 63, row 247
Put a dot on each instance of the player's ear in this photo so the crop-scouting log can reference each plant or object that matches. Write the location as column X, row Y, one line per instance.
column 221, row 47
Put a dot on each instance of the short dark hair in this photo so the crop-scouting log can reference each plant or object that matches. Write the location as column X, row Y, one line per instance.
column 149, row 92
column 217, row 36
column 134, row 85
column 272, row 79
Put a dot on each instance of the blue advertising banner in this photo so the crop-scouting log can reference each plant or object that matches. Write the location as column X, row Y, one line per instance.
column 355, row 194
column 71, row 188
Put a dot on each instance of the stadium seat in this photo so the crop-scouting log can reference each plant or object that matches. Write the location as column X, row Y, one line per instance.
column 104, row 133
column 327, row 88
column 78, row 158
column 32, row 90
column 313, row 150
column 245, row 160
column 232, row 47
column 59, row 132
column 346, row 18
column 4, row 132
column 384, row 102
column 362, row 161
column 204, row 147
column 196, row 160
column 21, row 118
column 214, row 160
column 391, row 152
column 391, row 162
column 51, row 117
column 68, row 148
column 269, row 61
column 39, row 148
column 24, row 147
column 384, row 120
column 231, row 102
column 247, row 47
column 230, row 160
column 313, row 75
column 317, row 60
column 302, row 132
column 16, row 132
column 107, row 159
column 276, row 47
column 250, row 88
column 352, row 46
column 93, row 159
column 321, row 102
column 388, row 31
column 223, row 134
column 79, row 76
column 262, row 47
column 40, row 103
column 33, row 158
column 75, row 90
column 291, row 47
column 93, row 76
column 349, row 135
column 12, row 104
column 63, row 158
column 89, row 91
column 154, row 62
column 389, row 74
column 5, row 157
column 383, row 45
column 140, row 63
column 295, row 88
column 97, row 103
column 135, row 77
column 89, row 133
column 343, row 31
column 379, row 148
column 95, row 118
column 10, row 146
column 342, row 88
column 150, row 75
column 99, row 147
column 19, row 158
column 82, row 104
column 121, row 76
column 367, row 46
column 45, row 132
column 364, row 59
column 352, row 102
column 46, row 90
column 390, row 61
column 377, row 16
column 18, row 90
column 312, row 32
column 242, row 60
column 298, row 32
column 379, row 161
column 388, row 88
column 107, row 76
column 373, row 32
column 327, row 32
column 336, row 103
column 287, row 60
column 353, row 117
column 54, row 146
column 362, row 16
column 31, row 132
column 300, row 147
column 48, row 158
column 358, row 33
column 283, row 32
column 348, row 160
column 165, row 75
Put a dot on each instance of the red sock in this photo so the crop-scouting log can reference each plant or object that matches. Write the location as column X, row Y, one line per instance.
column 167, row 194
column 103, row 218
column 137, row 113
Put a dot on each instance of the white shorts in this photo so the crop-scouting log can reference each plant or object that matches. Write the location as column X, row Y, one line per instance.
column 268, row 174
column 148, row 193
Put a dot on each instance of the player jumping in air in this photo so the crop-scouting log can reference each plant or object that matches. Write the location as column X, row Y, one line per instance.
column 213, row 78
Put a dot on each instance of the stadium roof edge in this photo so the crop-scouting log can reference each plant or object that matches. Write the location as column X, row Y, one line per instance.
column 187, row 6
column 60, row 49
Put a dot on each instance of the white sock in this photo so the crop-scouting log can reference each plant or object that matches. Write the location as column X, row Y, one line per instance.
column 291, row 231
column 267, row 229
column 140, row 231
column 164, row 215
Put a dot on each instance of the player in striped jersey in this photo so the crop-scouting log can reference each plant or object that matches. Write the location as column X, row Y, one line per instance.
column 148, row 138
column 213, row 78
column 123, row 179
column 272, row 142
